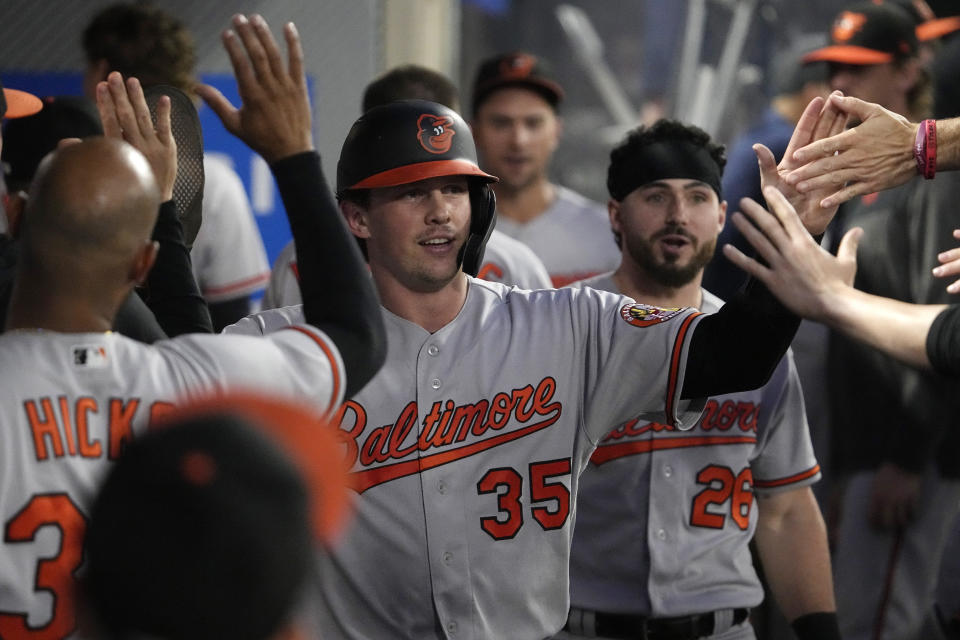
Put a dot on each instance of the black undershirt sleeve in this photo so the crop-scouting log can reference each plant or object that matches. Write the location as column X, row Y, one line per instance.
column 226, row 312
column 738, row 347
column 171, row 291
column 943, row 342
column 338, row 293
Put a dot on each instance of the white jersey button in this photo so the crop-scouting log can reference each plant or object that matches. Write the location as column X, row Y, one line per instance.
column 433, row 349
column 442, row 486
column 668, row 471
column 447, row 557
column 661, row 534
column 452, row 628
column 435, row 383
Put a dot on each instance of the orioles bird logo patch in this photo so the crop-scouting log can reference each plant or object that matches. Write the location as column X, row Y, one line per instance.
column 847, row 25
column 643, row 315
column 435, row 133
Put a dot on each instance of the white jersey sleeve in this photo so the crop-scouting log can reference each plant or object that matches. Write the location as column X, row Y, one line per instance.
column 511, row 262
column 229, row 260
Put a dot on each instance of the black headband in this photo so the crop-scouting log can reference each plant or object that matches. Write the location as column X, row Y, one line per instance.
column 663, row 161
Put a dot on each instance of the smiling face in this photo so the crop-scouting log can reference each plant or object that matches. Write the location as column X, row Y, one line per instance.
column 414, row 231
column 669, row 228
column 516, row 132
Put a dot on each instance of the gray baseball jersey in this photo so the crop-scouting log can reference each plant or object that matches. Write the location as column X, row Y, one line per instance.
column 466, row 448
column 572, row 237
column 504, row 260
column 70, row 404
column 665, row 517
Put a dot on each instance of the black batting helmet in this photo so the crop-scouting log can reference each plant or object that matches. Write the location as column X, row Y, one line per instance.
column 410, row 140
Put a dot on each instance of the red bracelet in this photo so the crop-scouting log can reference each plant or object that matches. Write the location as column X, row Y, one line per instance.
column 925, row 149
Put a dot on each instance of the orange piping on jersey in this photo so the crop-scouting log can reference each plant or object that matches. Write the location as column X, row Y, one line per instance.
column 675, row 367
column 606, row 453
column 803, row 475
column 333, row 366
column 560, row 280
column 367, row 478
column 237, row 286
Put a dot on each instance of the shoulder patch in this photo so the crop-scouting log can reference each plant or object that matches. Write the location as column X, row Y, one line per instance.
column 643, row 315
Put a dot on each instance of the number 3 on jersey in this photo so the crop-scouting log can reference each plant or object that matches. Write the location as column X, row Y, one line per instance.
column 723, row 485
column 543, row 489
column 54, row 574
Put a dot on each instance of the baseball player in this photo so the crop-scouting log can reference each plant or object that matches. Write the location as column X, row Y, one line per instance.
column 74, row 393
column 467, row 447
column 517, row 129
column 665, row 517
column 504, row 259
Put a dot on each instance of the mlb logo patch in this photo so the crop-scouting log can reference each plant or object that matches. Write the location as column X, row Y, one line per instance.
column 643, row 315
column 90, row 356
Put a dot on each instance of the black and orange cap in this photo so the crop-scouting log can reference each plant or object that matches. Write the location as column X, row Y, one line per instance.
column 516, row 69
column 406, row 141
column 869, row 33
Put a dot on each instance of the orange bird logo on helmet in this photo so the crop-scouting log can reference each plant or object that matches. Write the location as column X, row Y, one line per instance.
column 435, row 133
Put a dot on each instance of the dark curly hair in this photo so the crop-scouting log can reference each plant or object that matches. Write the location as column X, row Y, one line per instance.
column 664, row 130
column 144, row 41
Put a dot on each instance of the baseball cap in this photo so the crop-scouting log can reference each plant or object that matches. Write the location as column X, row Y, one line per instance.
column 202, row 528
column 27, row 140
column 867, row 34
column 789, row 73
column 516, row 69
column 928, row 25
column 17, row 104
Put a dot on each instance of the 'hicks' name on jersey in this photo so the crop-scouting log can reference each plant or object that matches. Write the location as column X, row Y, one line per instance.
column 84, row 427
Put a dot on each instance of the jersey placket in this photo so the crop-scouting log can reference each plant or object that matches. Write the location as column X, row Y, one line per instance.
column 442, row 495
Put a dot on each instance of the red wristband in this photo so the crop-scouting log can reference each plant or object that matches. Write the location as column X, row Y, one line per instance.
column 925, row 149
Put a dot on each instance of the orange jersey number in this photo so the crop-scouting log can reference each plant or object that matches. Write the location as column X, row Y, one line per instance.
column 54, row 575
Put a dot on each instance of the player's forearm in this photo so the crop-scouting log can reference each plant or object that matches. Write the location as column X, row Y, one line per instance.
column 897, row 328
column 172, row 292
column 739, row 347
column 791, row 540
column 338, row 293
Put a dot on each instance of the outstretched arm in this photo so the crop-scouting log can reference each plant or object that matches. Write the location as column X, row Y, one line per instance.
column 753, row 330
column 877, row 154
column 171, row 294
column 816, row 285
column 274, row 120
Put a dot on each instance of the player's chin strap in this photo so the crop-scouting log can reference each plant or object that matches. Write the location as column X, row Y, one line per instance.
column 483, row 216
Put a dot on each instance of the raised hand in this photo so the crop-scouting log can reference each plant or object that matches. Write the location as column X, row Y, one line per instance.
column 274, row 117
column 877, row 154
column 798, row 271
column 819, row 120
column 125, row 116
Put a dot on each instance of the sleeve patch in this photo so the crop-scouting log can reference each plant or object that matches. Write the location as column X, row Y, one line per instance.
column 643, row 315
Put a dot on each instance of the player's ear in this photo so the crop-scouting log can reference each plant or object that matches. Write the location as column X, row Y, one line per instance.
column 143, row 261
column 616, row 225
column 723, row 215
column 356, row 217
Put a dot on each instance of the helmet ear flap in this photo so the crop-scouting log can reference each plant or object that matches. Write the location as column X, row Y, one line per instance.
column 483, row 215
